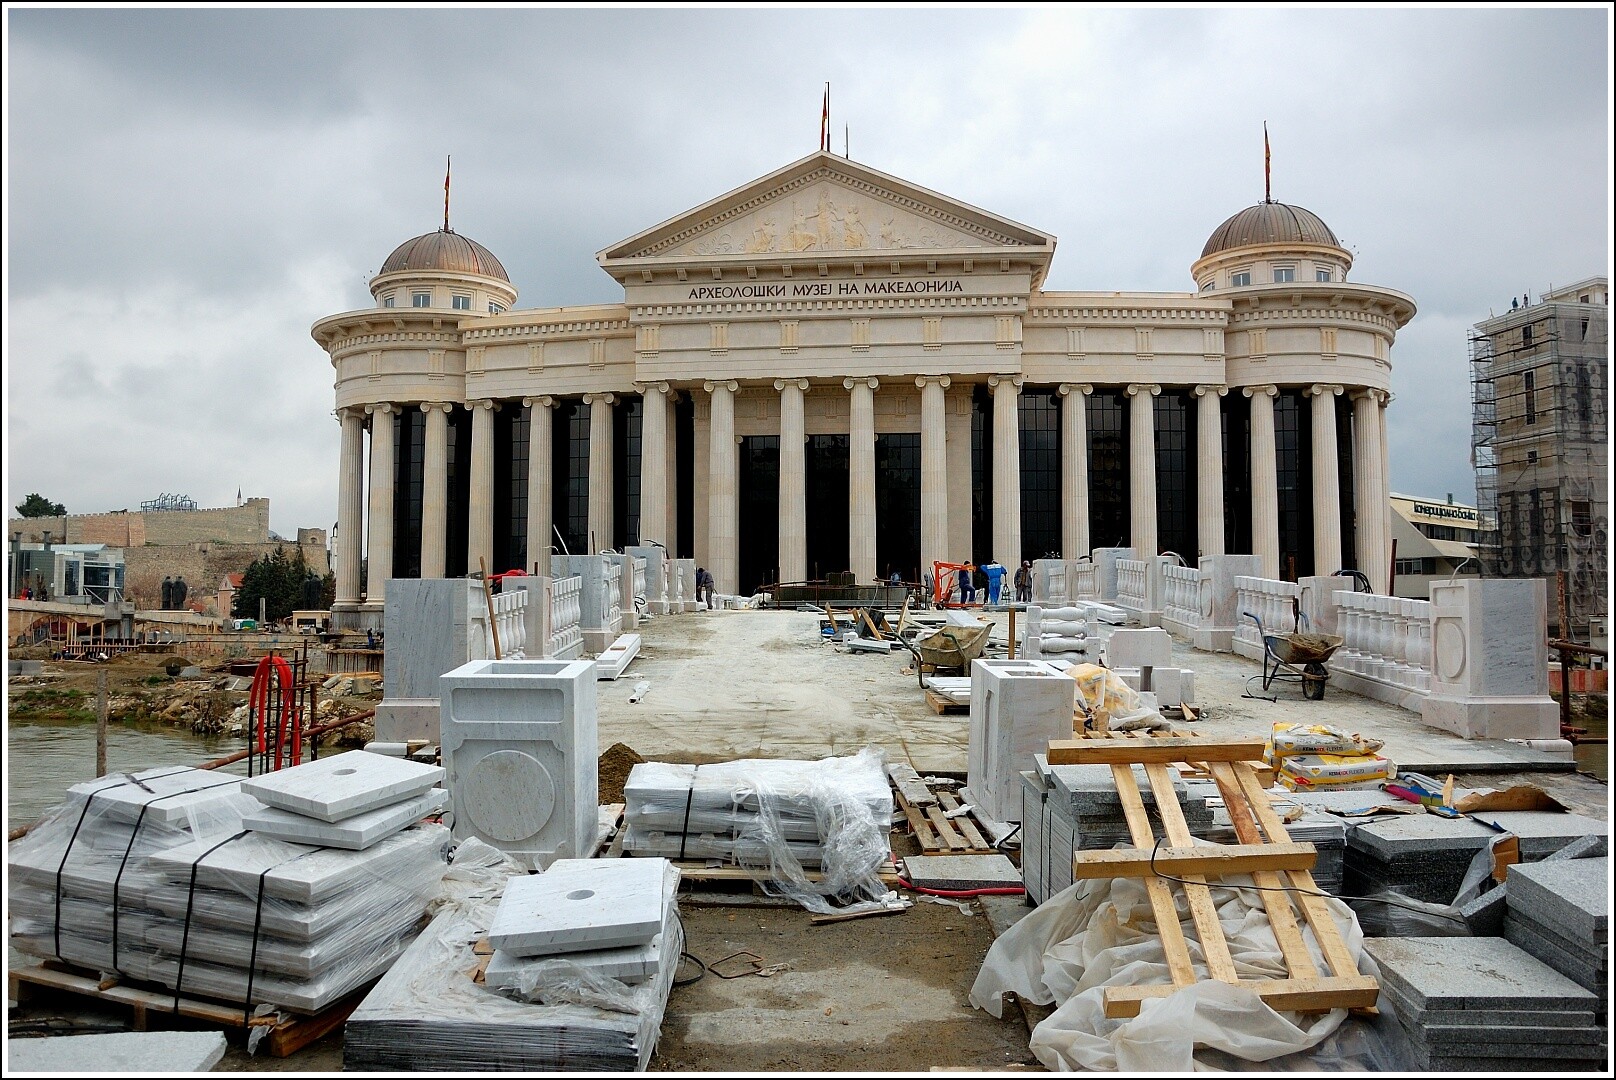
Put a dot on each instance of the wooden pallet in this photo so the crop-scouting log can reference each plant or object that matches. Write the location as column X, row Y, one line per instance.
column 287, row 1034
column 927, row 810
column 1265, row 852
column 942, row 705
column 1189, row 770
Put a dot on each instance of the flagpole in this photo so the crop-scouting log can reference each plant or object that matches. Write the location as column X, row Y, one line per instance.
column 447, row 161
column 1267, row 166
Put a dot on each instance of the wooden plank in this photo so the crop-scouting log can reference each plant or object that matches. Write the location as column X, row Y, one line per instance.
column 838, row 916
column 1315, row 908
column 1186, row 861
column 945, row 829
column 1281, row 916
column 1282, row 995
column 1219, row 964
column 964, row 824
column 1139, row 751
column 909, row 783
column 287, row 1039
column 1161, row 897
column 925, row 833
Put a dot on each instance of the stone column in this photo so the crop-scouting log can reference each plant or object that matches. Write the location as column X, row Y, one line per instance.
column 435, row 490
column 1075, row 469
column 933, row 471
column 1326, row 481
column 540, row 535
column 654, row 463
column 1369, row 494
column 1006, row 470
column 793, row 473
column 601, row 533
column 383, row 451
column 1209, row 468
column 480, row 522
column 723, row 509
column 1142, row 534
column 350, row 509
column 861, row 479
column 1264, row 479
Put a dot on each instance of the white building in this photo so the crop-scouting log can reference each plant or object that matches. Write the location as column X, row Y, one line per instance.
column 1435, row 539
column 830, row 368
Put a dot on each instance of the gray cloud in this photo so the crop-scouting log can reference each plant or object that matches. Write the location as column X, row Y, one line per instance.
column 189, row 191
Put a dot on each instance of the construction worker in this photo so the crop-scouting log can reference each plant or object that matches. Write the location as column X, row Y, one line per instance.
column 1024, row 582
column 967, row 589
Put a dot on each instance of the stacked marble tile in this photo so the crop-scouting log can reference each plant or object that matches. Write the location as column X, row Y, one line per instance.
column 1079, row 809
column 1326, row 832
column 430, row 1014
column 1425, row 857
column 1482, row 1005
column 1558, row 912
column 154, row 877
column 351, row 801
column 735, row 811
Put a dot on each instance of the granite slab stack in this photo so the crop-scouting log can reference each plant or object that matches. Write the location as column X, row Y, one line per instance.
column 1558, row 911
column 142, row 877
column 717, row 811
column 351, row 801
column 1078, row 808
column 430, row 1014
column 1326, row 832
column 1482, row 1005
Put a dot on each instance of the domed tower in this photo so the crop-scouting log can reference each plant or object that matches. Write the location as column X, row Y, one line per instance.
column 1271, row 243
column 443, row 269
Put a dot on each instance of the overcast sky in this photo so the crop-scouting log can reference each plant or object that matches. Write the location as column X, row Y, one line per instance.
column 188, row 192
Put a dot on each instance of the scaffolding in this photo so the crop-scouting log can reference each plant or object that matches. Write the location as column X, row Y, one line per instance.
column 165, row 501
column 1540, row 449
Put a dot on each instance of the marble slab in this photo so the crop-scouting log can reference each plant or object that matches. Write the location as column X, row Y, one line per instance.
column 611, row 663
column 344, row 785
column 1150, row 647
column 961, row 871
column 168, row 794
column 1571, row 895
column 630, row 964
column 1472, row 973
column 592, row 904
column 351, row 834
column 144, row 1053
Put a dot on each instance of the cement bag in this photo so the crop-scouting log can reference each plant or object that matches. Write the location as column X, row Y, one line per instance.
column 1289, row 740
column 1312, row 772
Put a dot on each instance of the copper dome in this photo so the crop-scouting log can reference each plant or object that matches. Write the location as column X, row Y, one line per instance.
column 1270, row 223
column 444, row 250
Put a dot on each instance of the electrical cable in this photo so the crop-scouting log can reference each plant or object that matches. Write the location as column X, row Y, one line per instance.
column 684, row 955
column 965, row 894
column 1298, row 891
column 1008, row 837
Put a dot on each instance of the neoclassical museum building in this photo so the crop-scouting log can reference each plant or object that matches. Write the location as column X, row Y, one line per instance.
column 832, row 369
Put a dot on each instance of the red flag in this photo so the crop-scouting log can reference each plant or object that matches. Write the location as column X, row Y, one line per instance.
column 824, row 122
column 446, row 163
column 1267, row 166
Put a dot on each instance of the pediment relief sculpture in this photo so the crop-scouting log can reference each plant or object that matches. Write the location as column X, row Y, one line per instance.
column 831, row 218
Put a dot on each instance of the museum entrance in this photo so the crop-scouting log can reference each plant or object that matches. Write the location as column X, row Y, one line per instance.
column 758, row 523
column 825, row 484
column 897, row 506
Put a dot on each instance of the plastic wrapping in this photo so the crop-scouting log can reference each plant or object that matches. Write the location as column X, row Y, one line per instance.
column 1102, row 933
column 1406, row 916
column 152, row 876
column 1103, row 699
column 1287, row 740
column 773, row 817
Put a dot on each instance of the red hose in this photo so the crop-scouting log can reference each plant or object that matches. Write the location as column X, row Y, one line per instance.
column 965, row 894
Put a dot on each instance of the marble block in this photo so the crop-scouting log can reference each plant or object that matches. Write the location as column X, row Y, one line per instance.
column 1105, row 569
column 600, row 607
column 630, row 964
column 1489, row 663
column 353, row 834
column 1220, row 608
column 166, row 795
column 520, row 744
column 959, row 872
column 1171, row 685
column 1106, row 613
column 144, row 1053
column 591, row 904
column 611, row 663
column 343, row 786
column 1151, row 647
column 1017, row 707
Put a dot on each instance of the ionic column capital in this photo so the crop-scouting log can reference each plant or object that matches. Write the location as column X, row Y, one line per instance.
column 607, row 398
column 731, row 386
column 543, row 401
column 871, row 381
column 1014, row 380
column 382, row 407
column 443, row 407
column 800, row 384
column 1262, row 390
column 1144, row 388
column 352, row 412
column 483, row 403
column 941, row 380
column 651, row 387
column 1076, row 388
column 1210, row 388
column 1319, row 389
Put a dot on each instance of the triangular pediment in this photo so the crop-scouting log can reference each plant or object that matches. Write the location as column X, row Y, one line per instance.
column 826, row 205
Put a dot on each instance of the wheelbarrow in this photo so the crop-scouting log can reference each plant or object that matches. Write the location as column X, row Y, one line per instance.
column 1300, row 656
column 949, row 646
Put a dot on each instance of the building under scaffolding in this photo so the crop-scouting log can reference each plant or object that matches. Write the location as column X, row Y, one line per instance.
column 1540, row 446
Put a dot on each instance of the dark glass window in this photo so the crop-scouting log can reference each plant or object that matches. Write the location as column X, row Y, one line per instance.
column 758, row 525
column 981, row 476
column 825, row 490
column 1039, row 414
column 1349, row 479
column 1529, row 386
column 1236, row 473
column 459, row 501
column 684, row 472
column 1293, row 433
column 1108, row 468
column 510, row 488
column 410, row 432
column 1175, row 473
column 897, row 505
column 569, row 490
column 628, row 415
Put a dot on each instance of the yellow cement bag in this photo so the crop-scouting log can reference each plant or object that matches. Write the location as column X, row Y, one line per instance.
column 1102, row 697
column 1290, row 740
column 1310, row 772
